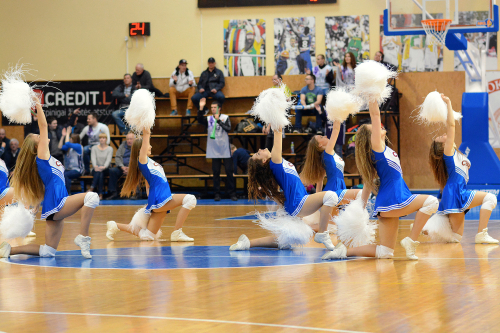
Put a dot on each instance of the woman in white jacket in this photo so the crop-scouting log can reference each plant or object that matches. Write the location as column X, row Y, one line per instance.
column 182, row 84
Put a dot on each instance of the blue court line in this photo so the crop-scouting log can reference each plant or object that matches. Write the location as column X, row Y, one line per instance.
column 175, row 257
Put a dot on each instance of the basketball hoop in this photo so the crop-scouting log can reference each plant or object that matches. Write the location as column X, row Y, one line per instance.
column 436, row 30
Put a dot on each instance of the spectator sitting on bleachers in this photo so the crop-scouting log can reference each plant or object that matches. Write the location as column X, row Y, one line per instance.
column 123, row 94
column 3, row 138
column 345, row 72
column 10, row 155
column 379, row 56
column 122, row 159
column 210, row 85
column 55, row 134
column 218, row 148
column 73, row 156
column 76, row 127
column 101, row 160
column 310, row 98
column 321, row 71
column 92, row 131
column 240, row 158
column 182, row 84
column 141, row 79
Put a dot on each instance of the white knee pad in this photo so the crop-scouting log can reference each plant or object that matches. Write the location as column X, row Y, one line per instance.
column 91, row 200
column 384, row 252
column 330, row 199
column 47, row 251
column 430, row 206
column 189, row 202
column 489, row 202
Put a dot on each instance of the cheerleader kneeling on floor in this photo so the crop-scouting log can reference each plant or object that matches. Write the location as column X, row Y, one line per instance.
column 147, row 222
column 375, row 160
column 451, row 170
column 267, row 173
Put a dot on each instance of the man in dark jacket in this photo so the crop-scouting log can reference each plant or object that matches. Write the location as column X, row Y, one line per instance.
column 11, row 154
column 210, row 85
column 142, row 79
column 123, row 94
column 240, row 158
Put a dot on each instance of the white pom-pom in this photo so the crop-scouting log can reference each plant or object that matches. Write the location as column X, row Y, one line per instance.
column 17, row 221
column 434, row 110
column 371, row 81
column 139, row 221
column 16, row 96
column 271, row 107
column 438, row 228
column 288, row 230
column 354, row 227
column 141, row 112
column 340, row 104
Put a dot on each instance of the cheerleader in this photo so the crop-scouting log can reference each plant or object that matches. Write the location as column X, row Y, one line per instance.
column 394, row 199
column 267, row 172
column 39, row 176
column 160, row 200
column 451, row 170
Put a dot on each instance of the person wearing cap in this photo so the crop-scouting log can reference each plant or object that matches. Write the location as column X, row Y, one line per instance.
column 210, row 84
column 182, row 84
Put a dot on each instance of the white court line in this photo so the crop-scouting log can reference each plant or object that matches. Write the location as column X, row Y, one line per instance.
column 184, row 319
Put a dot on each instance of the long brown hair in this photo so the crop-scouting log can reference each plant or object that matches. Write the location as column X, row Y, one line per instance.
column 134, row 176
column 364, row 154
column 313, row 170
column 261, row 182
column 437, row 164
column 27, row 184
column 353, row 60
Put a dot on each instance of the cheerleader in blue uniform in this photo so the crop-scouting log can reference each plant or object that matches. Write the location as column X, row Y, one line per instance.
column 451, row 170
column 160, row 200
column 267, row 173
column 375, row 160
column 39, row 176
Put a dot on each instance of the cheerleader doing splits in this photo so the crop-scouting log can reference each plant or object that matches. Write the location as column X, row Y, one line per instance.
column 394, row 199
column 451, row 170
column 39, row 176
column 267, row 172
column 160, row 199
column 320, row 160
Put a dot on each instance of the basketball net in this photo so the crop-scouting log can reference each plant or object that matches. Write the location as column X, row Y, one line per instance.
column 436, row 30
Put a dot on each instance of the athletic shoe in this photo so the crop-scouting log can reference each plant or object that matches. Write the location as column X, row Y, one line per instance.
column 410, row 247
column 217, row 197
column 242, row 244
column 84, row 243
column 5, row 250
column 179, row 236
column 234, row 198
column 31, row 234
column 173, row 113
column 296, row 131
column 483, row 238
column 112, row 230
column 339, row 252
column 324, row 238
column 188, row 113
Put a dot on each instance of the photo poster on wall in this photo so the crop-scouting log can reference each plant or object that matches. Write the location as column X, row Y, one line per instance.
column 479, row 40
column 245, row 47
column 294, row 45
column 410, row 53
column 493, row 80
column 345, row 34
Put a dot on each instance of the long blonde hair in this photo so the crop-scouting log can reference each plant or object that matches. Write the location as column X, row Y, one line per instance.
column 364, row 162
column 26, row 181
column 134, row 176
column 313, row 170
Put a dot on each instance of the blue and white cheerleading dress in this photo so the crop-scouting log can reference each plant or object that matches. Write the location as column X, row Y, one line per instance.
column 393, row 192
column 52, row 173
column 334, row 166
column 4, row 179
column 159, row 190
column 288, row 179
column 456, row 198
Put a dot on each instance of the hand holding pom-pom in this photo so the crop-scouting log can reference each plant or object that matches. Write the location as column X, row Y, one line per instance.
column 271, row 107
column 371, row 81
column 141, row 112
column 434, row 109
column 340, row 104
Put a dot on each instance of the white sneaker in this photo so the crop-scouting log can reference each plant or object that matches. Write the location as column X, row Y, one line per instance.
column 324, row 238
column 179, row 236
column 242, row 244
column 31, row 234
column 84, row 243
column 339, row 252
column 483, row 238
column 410, row 247
column 112, row 230
column 5, row 250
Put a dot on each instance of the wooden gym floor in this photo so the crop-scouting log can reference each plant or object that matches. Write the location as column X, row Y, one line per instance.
column 452, row 288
